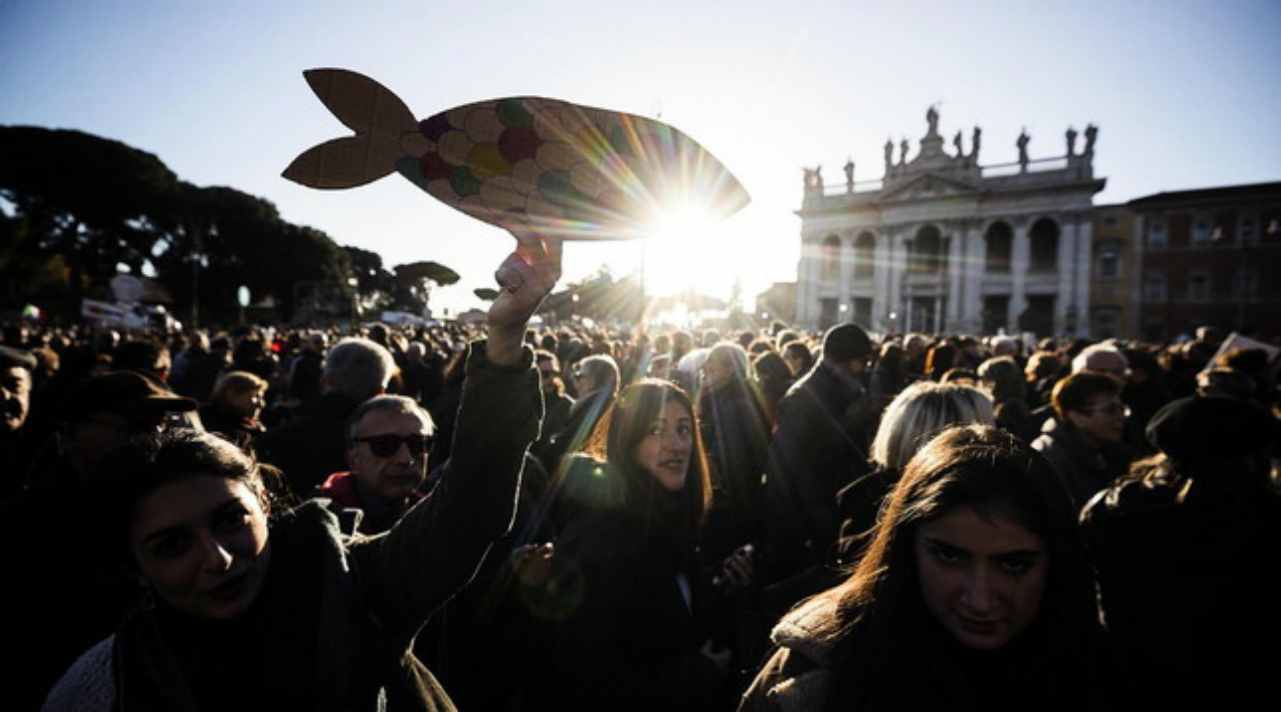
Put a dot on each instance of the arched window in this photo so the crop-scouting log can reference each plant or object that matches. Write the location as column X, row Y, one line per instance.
column 999, row 238
column 1044, row 237
column 831, row 257
column 927, row 251
column 864, row 254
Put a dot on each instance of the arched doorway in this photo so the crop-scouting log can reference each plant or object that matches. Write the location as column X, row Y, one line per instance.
column 927, row 251
column 1044, row 238
column 999, row 239
column 831, row 257
column 864, row 254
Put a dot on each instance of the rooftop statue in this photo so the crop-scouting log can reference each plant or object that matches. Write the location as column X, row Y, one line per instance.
column 1091, row 133
column 932, row 116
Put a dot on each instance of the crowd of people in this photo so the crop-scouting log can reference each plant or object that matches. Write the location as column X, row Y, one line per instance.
column 564, row 516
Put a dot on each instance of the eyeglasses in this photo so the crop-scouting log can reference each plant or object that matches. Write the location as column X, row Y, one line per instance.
column 389, row 444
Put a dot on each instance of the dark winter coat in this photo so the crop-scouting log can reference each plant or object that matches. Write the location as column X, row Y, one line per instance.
column 816, row 450
column 634, row 622
column 1186, row 577
column 736, row 435
column 1083, row 469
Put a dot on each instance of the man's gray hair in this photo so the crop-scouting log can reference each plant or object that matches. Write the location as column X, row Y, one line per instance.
column 603, row 371
column 1005, row 346
column 1091, row 352
column 389, row 404
column 358, row 368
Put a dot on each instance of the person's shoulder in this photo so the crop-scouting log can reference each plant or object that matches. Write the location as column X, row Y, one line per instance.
column 89, row 684
column 803, row 631
column 798, row 674
column 314, row 519
column 1132, row 497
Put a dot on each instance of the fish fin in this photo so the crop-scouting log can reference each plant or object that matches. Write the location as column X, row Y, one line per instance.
column 342, row 163
column 379, row 118
column 360, row 103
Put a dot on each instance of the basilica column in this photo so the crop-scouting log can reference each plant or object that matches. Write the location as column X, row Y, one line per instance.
column 805, row 287
column 956, row 268
column 894, row 278
column 814, row 269
column 1084, row 229
column 975, row 266
column 1065, row 265
column 881, row 299
column 846, row 277
column 1020, row 258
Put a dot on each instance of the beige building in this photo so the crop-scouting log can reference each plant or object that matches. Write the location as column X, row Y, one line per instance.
column 777, row 302
column 942, row 243
column 1114, row 274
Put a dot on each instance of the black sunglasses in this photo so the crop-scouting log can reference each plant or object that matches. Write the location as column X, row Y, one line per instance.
column 388, row 445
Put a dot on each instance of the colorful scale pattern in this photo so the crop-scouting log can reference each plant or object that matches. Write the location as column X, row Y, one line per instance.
column 531, row 159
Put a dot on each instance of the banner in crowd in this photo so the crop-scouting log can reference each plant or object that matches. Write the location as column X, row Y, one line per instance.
column 1236, row 341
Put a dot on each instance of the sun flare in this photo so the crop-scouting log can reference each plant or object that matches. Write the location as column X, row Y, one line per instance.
column 684, row 252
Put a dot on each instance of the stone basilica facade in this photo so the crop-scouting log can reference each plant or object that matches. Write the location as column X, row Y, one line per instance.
column 943, row 244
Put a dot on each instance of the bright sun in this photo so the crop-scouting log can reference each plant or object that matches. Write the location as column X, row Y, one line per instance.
column 686, row 250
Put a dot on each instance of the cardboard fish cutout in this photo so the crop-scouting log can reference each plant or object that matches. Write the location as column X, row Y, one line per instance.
column 526, row 164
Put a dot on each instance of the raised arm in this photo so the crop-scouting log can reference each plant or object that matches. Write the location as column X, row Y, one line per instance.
column 438, row 545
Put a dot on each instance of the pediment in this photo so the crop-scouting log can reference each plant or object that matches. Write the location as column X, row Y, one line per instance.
column 927, row 186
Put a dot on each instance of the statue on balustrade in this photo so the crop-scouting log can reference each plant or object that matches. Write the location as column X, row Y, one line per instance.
column 1091, row 133
column 1071, row 141
column 1022, row 144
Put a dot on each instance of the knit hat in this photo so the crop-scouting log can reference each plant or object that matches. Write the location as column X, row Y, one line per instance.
column 846, row 341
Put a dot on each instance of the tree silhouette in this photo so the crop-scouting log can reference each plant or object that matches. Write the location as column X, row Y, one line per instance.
column 415, row 281
column 92, row 201
column 82, row 204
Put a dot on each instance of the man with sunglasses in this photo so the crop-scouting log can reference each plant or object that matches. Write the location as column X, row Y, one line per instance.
column 388, row 442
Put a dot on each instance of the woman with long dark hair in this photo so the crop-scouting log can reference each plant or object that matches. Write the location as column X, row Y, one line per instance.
column 973, row 592
column 634, row 602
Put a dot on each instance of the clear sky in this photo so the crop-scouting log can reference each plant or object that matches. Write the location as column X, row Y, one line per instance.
column 1186, row 94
